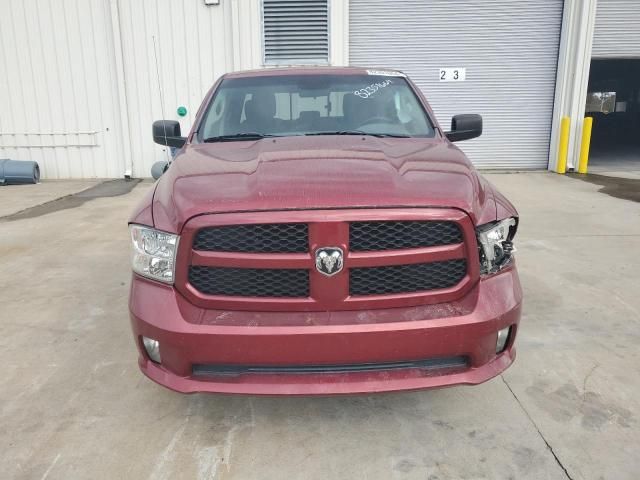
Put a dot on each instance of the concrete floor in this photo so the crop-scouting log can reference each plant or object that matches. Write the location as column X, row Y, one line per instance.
column 73, row 404
column 620, row 161
column 15, row 198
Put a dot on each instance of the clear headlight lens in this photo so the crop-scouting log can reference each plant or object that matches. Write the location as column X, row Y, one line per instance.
column 495, row 243
column 154, row 253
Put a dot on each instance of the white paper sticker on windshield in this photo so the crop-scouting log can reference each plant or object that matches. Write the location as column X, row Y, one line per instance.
column 369, row 90
column 385, row 73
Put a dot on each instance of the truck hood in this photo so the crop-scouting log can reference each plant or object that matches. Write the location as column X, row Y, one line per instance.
column 319, row 172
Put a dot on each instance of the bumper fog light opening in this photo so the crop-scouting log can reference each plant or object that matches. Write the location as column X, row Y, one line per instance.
column 503, row 339
column 152, row 347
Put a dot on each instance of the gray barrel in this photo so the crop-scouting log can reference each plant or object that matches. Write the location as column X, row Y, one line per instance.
column 16, row 172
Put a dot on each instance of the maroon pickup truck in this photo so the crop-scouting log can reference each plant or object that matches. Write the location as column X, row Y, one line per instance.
column 319, row 233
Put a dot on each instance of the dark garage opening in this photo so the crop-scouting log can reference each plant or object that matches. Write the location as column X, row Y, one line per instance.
column 613, row 100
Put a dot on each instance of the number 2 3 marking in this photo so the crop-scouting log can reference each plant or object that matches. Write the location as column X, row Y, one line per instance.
column 451, row 74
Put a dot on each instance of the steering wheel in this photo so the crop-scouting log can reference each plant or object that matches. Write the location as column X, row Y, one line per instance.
column 376, row 119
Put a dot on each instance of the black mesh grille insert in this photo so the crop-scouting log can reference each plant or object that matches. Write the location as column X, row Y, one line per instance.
column 262, row 238
column 250, row 282
column 406, row 278
column 372, row 236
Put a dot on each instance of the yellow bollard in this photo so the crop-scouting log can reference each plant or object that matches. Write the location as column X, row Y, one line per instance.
column 584, row 147
column 563, row 149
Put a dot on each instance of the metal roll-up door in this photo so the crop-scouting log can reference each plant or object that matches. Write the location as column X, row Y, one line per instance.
column 617, row 30
column 509, row 50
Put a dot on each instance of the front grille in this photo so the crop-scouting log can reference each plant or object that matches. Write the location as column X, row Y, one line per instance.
column 428, row 364
column 262, row 238
column 406, row 278
column 250, row 282
column 270, row 265
column 376, row 236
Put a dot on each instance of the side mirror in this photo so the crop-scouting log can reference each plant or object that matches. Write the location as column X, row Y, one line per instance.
column 167, row 132
column 158, row 169
column 464, row 127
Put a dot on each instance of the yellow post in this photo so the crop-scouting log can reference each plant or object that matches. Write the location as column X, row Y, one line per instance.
column 584, row 147
column 563, row 149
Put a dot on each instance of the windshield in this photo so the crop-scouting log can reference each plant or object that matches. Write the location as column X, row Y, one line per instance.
column 314, row 105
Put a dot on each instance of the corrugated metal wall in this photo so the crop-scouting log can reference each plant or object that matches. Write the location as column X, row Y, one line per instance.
column 296, row 31
column 509, row 50
column 617, row 30
column 61, row 103
column 58, row 96
column 194, row 45
column 79, row 87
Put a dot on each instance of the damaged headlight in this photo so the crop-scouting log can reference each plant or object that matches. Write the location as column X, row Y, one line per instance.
column 154, row 253
column 495, row 244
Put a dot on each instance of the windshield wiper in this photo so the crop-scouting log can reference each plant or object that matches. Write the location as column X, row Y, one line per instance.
column 238, row 136
column 360, row 132
column 257, row 136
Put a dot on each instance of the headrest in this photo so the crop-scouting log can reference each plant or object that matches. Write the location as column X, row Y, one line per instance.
column 350, row 105
column 260, row 107
column 309, row 115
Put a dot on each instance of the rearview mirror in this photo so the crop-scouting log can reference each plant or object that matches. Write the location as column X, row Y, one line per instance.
column 167, row 132
column 464, row 127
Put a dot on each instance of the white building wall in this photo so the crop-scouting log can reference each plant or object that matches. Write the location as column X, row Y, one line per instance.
column 58, row 96
column 79, row 87
column 195, row 44
column 509, row 50
column 339, row 32
column 574, row 60
column 617, row 29
column 173, row 51
column 82, row 80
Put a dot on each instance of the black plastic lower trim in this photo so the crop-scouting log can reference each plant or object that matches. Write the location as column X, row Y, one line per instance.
column 428, row 364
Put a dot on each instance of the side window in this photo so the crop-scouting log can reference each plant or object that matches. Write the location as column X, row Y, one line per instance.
column 409, row 112
column 604, row 102
column 336, row 99
column 283, row 106
column 317, row 105
column 243, row 115
column 213, row 123
column 404, row 107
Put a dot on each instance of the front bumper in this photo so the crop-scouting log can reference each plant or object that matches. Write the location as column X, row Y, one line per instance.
column 191, row 336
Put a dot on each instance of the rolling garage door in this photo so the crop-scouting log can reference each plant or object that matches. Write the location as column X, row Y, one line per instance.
column 509, row 50
column 617, row 31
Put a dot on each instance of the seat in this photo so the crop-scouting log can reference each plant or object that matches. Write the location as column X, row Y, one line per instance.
column 259, row 114
column 308, row 121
